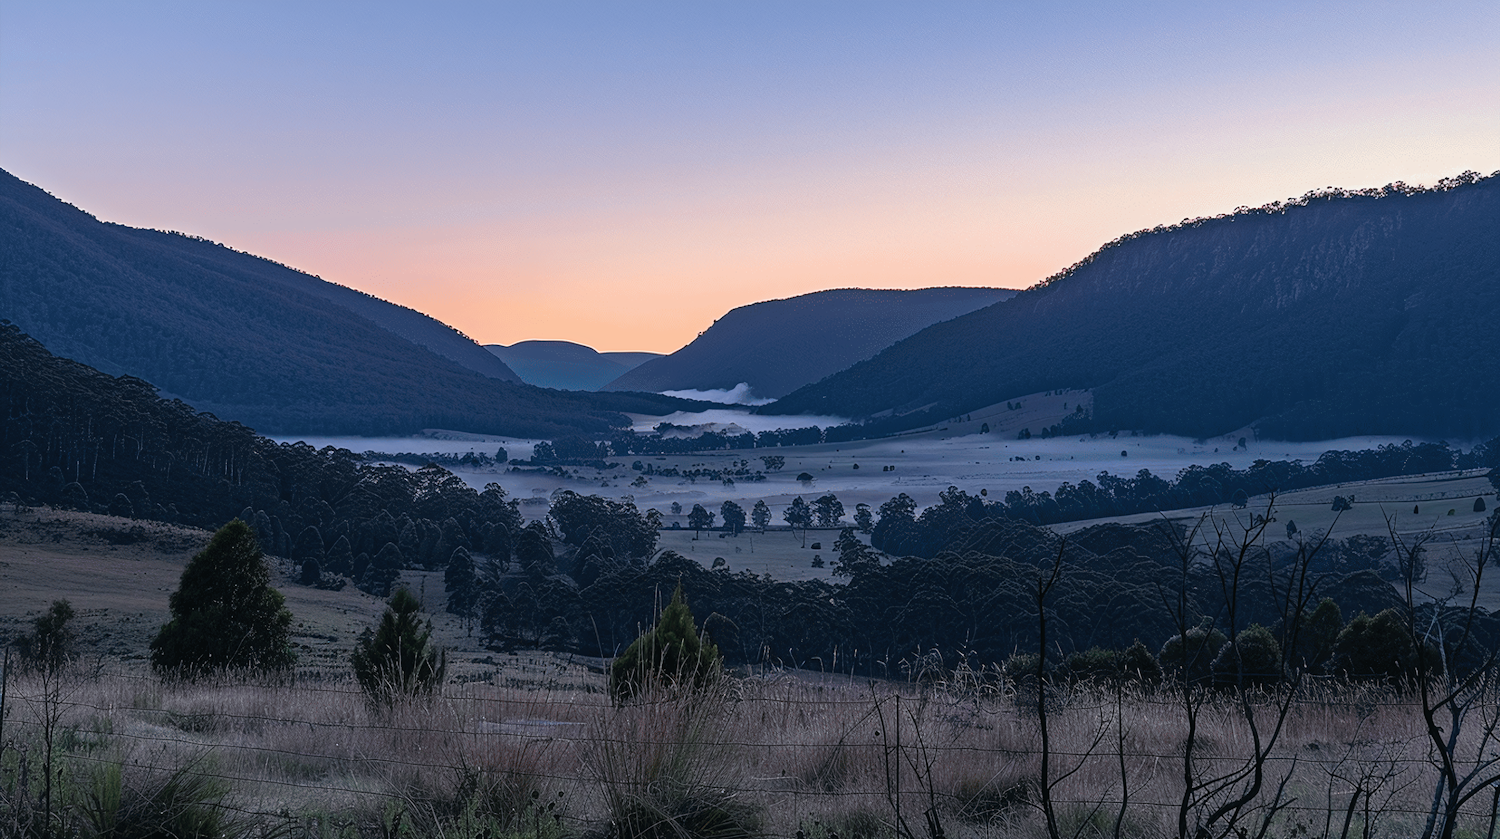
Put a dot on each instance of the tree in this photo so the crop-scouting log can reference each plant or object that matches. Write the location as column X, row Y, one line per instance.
column 805, row 478
column 340, row 557
column 1479, row 504
column 733, row 516
column 672, row 655
column 621, row 525
column 309, row 546
column 855, row 557
column 460, row 582
column 397, row 659
column 120, row 506
column 50, row 643
column 534, row 550
column 830, row 510
column 799, row 516
column 676, row 508
column 225, row 615
column 760, row 515
column 1192, row 653
column 773, row 462
column 311, row 573
column 863, row 519
column 700, row 519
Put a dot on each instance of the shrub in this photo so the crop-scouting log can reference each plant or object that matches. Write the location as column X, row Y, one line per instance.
column 187, row 803
column 1133, row 665
column 1253, row 660
column 225, row 615
column 1379, row 647
column 671, row 655
column 50, row 643
column 1192, row 656
column 397, row 659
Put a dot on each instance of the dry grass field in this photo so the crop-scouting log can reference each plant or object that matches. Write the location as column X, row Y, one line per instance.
column 773, row 755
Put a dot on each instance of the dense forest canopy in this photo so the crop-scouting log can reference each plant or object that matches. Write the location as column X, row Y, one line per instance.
column 1340, row 314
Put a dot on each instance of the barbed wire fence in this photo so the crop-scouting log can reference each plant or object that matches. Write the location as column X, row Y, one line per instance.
column 823, row 757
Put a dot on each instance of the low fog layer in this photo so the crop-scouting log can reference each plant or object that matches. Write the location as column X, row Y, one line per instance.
column 738, row 395
column 921, row 466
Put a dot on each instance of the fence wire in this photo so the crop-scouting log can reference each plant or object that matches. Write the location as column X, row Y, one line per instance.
column 306, row 752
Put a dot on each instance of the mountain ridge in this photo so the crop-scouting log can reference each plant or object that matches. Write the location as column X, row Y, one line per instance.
column 776, row 346
column 1339, row 313
column 566, row 365
column 253, row 341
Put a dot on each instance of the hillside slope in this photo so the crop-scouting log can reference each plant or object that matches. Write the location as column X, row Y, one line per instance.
column 780, row 345
column 254, row 341
column 565, row 365
column 1341, row 313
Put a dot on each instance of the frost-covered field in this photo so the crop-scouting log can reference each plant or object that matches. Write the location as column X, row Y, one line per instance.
column 921, row 465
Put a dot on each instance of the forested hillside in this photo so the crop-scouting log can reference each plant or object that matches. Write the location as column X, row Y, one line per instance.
column 1341, row 313
column 256, row 342
column 779, row 345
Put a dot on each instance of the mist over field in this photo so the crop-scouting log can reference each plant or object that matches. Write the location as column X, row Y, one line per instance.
column 740, row 394
column 924, row 465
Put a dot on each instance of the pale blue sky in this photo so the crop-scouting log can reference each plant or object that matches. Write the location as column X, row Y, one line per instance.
column 620, row 174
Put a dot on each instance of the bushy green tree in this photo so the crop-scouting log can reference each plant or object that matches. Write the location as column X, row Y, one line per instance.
column 397, row 659
column 461, row 583
column 829, row 510
column 760, row 515
column 1316, row 636
column 733, row 516
column 225, row 615
column 863, row 519
column 799, row 516
column 700, row 519
column 670, row 655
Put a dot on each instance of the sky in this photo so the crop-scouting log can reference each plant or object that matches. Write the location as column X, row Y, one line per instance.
column 621, row 174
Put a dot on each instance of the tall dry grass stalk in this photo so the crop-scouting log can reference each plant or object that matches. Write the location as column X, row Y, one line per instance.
column 771, row 755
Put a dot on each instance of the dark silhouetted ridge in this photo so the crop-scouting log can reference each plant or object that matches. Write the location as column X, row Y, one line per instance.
column 780, row 345
column 257, row 342
column 565, row 365
column 1340, row 313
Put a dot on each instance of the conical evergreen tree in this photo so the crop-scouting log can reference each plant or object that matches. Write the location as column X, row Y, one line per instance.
column 397, row 659
column 671, row 655
column 225, row 615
